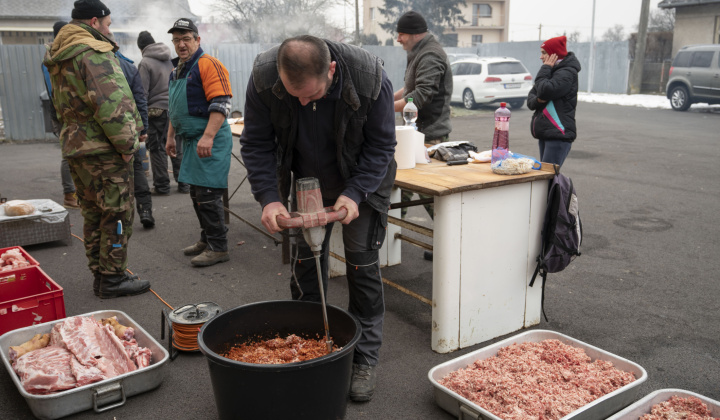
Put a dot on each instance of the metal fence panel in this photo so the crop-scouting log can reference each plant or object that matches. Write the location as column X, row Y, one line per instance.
column 21, row 80
column 21, row 83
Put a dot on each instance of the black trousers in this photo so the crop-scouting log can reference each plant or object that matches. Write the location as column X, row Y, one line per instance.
column 142, row 190
column 208, row 206
column 157, row 136
column 362, row 239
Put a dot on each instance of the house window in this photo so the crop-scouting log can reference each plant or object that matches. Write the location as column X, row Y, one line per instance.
column 372, row 13
column 476, row 39
column 480, row 10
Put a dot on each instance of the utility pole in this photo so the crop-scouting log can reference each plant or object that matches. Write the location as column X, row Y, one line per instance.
column 591, row 75
column 357, row 23
column 540, row 32
column 637, row 68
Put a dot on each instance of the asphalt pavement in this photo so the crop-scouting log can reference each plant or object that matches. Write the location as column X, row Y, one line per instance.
column 646, row 287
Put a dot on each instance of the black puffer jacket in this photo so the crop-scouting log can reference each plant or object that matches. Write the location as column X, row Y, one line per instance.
column 558, row 85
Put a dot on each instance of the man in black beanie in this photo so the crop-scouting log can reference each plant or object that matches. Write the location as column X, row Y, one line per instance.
column 428, row 81
column 101, row 126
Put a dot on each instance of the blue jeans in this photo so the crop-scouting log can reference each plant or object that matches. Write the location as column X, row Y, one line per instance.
column 554, row 151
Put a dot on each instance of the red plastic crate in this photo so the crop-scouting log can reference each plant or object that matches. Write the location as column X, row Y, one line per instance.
column 28, row 257
column 29, row 297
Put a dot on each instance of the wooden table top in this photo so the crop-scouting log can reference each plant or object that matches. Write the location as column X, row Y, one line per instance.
column 439, row 179
column 237, row 129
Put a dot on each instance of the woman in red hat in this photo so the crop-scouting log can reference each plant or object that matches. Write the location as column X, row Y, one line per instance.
column 554, row 99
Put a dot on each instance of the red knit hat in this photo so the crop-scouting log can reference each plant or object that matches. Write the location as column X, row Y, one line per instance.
column 555, row 46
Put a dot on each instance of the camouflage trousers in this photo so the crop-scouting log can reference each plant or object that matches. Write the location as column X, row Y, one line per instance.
column 104, row 186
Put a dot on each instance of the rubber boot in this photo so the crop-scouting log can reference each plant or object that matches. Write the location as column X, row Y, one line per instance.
column 70, row 201
column 146, row 217
column 116, row 285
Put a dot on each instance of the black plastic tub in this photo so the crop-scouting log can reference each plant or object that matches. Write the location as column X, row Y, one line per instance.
column 315, row 389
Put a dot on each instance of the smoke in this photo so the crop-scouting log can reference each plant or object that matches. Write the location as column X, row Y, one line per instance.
column 154, row 18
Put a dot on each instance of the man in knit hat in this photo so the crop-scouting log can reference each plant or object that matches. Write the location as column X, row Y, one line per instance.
column 553, row 97
column 155, row 68
column 100, row 129
column 428, row 81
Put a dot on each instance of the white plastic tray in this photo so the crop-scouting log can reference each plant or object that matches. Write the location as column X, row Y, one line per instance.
column 644, row 405
column 599, row 409
column 101, row 396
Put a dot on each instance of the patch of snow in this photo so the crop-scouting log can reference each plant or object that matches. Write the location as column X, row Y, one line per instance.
column 643, row 101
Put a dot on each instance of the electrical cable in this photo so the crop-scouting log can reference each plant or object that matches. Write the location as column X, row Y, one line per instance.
column 184, row 336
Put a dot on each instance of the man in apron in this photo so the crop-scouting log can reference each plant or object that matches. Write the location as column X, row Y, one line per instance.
column 199, row 103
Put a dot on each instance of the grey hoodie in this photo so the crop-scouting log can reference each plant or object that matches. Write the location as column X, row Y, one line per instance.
column 155, row 68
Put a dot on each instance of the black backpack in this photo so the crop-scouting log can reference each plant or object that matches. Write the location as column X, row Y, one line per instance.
column 561, row 232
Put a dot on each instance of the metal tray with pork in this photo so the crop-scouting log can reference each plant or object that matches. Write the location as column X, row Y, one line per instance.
column 598, row 409
column 100, row 396
column 643, row 406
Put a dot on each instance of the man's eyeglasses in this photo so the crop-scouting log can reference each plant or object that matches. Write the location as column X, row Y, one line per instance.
column 184, row 40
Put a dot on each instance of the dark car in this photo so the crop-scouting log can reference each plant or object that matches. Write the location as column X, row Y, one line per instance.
column 694, row 77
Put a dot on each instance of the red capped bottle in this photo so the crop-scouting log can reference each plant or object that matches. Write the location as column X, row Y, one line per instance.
column 501, row 137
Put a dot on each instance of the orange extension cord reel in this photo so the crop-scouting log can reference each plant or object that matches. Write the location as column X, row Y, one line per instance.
column 184, row 325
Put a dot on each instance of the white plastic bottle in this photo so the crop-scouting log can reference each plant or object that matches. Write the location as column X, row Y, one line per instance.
column 410, row 113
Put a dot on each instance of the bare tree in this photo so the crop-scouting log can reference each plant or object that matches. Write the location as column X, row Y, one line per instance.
column 661, row 20
column 271, row 21
column 616, row 33
column 574, row 36
column 439, row 15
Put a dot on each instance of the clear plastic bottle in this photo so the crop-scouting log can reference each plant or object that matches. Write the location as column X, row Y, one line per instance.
column 501, row 137
column 410, row 113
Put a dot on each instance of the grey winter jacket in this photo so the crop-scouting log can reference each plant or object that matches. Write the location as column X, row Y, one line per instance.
column 155, row 68
column 428, row 80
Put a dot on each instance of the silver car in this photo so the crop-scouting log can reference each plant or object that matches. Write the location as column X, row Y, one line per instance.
column 486, row 80
column 694, row 77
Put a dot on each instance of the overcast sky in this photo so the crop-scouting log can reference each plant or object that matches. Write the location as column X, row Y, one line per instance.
column 556, row 16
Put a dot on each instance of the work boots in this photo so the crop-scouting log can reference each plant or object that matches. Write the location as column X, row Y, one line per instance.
column 70, row 200
column 210, row 257
column 146, row 217
column 362, row 386
column 195, row 249
column 116, row 285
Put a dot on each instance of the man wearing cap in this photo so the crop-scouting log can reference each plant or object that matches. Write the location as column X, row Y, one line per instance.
column 100, row 129
column 428, row 81
column 553, row 97
column 199, row 103
column 322, row 109
column 155, row 68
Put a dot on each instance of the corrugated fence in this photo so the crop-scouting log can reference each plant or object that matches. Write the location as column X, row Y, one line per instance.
column 21, row 80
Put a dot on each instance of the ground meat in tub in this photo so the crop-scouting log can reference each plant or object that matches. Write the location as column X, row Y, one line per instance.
column 690, row 408
column 545, row 380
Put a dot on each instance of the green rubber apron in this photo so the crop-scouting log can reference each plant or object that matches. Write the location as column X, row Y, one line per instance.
column 211, row 172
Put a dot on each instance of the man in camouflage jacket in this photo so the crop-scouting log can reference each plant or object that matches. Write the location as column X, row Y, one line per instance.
column 100, row 127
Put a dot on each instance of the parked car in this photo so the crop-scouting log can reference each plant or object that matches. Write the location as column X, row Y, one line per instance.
column 486, row 80
column 453, row 57
column 694, row 77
